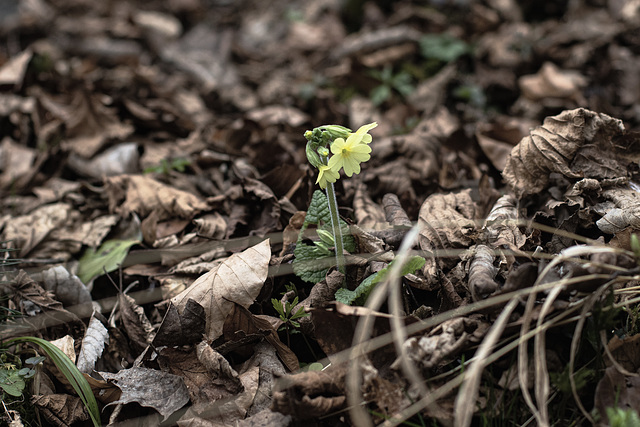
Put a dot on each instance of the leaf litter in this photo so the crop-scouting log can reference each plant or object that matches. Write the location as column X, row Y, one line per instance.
column 161, row 144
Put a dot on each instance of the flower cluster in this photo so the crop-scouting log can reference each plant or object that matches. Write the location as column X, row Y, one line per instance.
column 348, row 149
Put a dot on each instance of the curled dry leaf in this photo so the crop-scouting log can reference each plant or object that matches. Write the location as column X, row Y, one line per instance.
column 92, row 345
column 482, row 273
column 135, row 322
column 446, row 221
column 238, row 280
column 443, row 342
column 625, row 214
column 501, row 225
column 561, row 145
column 310, row 394
column 369, row 215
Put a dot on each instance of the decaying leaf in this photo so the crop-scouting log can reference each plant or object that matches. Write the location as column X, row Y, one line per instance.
column 558, row 145
column 501, row 226
column 135, row 323
column 183, row 328
column 482, row 273
column 311, row 394
column 443, row 342
column 446, row 222
column 626, row 212
column 93, row 344
column 166, row 393
column 61, row 409
column 67, row 287
column 27, row 231
column 238, row 280
column 143, row 194
column 206, row 374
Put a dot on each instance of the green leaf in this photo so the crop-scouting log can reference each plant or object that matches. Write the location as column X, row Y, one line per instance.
column 361, row 293
column 107, row 258
column 443, row 47
column 70, row 372
column 312, row 261
column 11, row 382
column 380, row 94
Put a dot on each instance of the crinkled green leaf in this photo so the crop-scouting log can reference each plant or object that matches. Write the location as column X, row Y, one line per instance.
column 107, row 258
column 361, row 293
column 312, row 261
column 11, row 382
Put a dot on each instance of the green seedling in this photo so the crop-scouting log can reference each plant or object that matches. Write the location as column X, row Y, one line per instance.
column 165, row 167
column 401, row 82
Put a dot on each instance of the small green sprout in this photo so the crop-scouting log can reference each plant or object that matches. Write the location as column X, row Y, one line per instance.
column 165, row 167
column 401, row 82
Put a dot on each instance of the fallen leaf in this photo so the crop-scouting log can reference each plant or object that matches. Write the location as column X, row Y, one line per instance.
column 554, row 146
column 166, row 393
column 143, row 194
column 238, row 280
column 93, row 344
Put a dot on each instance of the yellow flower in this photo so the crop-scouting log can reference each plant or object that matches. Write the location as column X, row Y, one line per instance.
column 349, row 154
column 325, row 174
column 363, row 134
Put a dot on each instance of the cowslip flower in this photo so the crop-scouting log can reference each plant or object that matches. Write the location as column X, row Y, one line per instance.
column 362, row 132
column 325, row 174
column 349, row 154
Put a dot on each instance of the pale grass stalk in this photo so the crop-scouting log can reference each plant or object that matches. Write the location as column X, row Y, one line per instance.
column 468, row 394
column 540, row 354
column 398, row 329
column 575, row 341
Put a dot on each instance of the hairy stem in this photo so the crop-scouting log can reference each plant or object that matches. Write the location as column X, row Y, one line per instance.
column 335, row 225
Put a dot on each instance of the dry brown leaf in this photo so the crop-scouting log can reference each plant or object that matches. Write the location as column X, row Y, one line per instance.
column 369, row 215
column 626, row 212
column 446, row 222
column 616, row 390
column 551, row 82
column 143, row 194
column 16, row 161
column 555, row 146
column 482, row 273
column 242, row 324
column 135, row 323
column 164, row 392
column 311, row 394
column 61, row 409
column 28, row 230
column 228, row 411
column 443, row 342
column 207, row 375
column 183, row 328
column 501, row 226
column 238, row 280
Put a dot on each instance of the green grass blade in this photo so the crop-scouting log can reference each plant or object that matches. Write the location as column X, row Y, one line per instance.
column 70, row 371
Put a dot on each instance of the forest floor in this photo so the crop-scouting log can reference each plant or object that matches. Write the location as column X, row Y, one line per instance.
column 161, row 221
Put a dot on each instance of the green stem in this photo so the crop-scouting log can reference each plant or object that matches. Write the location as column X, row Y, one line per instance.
column 337, row 232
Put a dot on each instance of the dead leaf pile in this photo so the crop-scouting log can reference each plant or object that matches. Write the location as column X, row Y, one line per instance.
column 154, row 182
